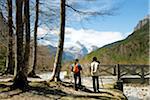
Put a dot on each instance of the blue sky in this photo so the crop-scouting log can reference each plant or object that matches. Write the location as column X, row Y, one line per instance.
column 125, row 18
column 99, row 30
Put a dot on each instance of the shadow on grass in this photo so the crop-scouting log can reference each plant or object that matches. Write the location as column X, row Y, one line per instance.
column 4, row 86
column 8, row 92
column 46, row 90
column 92, row 97
column 51, row 91
column 71, row 85
column 82, row 88
column 57, row 93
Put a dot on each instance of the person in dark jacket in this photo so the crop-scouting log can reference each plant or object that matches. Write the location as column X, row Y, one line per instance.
column 77, row 75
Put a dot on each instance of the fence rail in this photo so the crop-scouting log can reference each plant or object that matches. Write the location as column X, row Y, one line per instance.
column 107, row 70
column 131, row 70
column 122, row 70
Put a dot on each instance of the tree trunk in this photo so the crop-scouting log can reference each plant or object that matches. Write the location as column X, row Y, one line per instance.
column 20, row 79
column 27, row 31
column 9, row 60
column 3, row 30
column 58, row 58
column 32, row 73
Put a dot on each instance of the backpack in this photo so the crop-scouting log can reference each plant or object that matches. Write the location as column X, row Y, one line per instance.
column 76, row 68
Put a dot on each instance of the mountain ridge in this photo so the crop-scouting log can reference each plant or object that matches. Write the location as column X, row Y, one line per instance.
column 133, row 49
column 77, row 50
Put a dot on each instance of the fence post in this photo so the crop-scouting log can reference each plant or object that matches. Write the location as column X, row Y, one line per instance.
column 118, row 74
column 114, row 71
column 119, row 81
column 120, row 85
column 142, row 76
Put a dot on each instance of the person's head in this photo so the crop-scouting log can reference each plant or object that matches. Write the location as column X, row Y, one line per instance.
column 76, row 61
column 94, row 59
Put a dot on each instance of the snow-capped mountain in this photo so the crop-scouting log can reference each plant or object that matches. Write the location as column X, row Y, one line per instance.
column 78, row 50
column 72, row 50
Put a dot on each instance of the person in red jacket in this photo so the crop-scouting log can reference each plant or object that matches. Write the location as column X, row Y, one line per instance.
column 76, row 68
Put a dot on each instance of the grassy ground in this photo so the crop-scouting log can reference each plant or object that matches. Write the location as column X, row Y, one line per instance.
column 56, row 91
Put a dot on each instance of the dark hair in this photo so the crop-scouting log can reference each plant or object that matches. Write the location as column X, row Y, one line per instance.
column 98, row 62
column 76, row 60
column 94, row 59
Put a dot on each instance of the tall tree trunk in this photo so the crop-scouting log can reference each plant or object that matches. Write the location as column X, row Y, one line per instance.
column 27, row 31
column 58, row 58
column 32, row 73
column 3, row 30
column 20, row 79
column 9, row 60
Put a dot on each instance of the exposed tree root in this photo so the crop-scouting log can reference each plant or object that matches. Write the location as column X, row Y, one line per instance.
column 20, row 82
column 32, row 74
column 55, row 79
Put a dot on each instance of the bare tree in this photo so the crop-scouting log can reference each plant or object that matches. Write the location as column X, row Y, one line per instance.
column 20, row 79
column 48, row 14
column 32, row 73
column 27, row 32
column 3, row 30
column 9, row 61
column 58, row 58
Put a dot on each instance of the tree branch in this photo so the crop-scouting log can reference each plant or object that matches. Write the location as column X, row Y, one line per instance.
column 92, row 13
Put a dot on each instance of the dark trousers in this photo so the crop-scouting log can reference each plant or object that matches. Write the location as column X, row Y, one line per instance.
column 95, row 83
column 77, row 76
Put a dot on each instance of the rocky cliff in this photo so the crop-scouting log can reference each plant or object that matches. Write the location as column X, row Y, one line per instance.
column 142, row 22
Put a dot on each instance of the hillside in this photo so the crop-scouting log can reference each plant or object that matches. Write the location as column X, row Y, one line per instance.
column 44, row 60
column 132, row 50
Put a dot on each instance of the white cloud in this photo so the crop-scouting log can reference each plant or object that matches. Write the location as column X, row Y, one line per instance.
column 92, row 37
column 41, row 31
column 86, row 37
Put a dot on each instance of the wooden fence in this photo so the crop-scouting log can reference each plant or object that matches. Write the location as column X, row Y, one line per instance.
column 125, row 70
column 133, row 70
